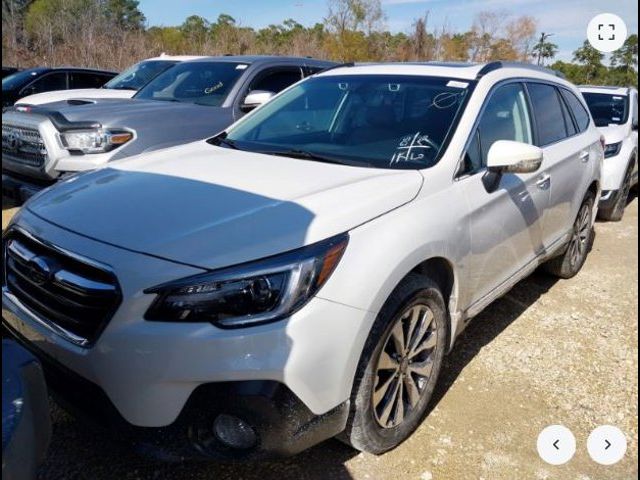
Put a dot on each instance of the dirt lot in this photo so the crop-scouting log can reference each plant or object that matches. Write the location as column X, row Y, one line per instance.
column 549, row 352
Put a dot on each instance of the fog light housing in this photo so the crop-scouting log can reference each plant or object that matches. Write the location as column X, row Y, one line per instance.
column 234, row 432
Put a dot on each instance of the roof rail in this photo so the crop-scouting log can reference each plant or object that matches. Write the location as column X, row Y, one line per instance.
column 338, row 65
column 492, row 66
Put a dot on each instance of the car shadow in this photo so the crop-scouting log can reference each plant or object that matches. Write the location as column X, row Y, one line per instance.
column 484, row 328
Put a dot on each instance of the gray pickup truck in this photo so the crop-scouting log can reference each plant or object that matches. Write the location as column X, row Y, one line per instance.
column 188, row 102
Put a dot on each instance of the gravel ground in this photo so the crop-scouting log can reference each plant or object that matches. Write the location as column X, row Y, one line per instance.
column 549, row 352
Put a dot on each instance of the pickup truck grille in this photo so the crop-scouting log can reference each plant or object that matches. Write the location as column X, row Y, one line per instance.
column 60, row 289
column 23, row 145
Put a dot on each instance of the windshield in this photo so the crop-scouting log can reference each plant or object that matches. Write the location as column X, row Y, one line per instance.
column 203, row 83
column 18, row 79
column 607, row 109
column 382, row 121
column 138, row 75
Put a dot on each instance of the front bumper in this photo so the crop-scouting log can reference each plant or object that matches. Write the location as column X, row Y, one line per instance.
column 149, row 371
column 283, row 425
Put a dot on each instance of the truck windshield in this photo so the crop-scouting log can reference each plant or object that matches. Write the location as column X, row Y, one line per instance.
column 203, row 83
column 18, row 79
column 607, row 109
column 381, row 121
column 138, row 75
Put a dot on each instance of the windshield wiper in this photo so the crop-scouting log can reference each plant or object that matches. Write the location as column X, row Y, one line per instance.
column 222, row 139
column 303, row 154
column 123, row 88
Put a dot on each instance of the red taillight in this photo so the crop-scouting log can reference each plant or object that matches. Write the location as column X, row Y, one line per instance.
column 602, row 141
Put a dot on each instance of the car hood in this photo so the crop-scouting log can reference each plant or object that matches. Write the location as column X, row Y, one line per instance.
column 213, row 207
column 613, row 133
column 131, row 112
column 83, row 94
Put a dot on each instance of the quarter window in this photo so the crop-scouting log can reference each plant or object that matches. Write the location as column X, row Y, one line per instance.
column 579, row 112
column 548, row 113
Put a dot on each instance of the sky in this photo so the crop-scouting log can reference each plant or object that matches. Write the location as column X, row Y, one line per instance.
column 566, row 19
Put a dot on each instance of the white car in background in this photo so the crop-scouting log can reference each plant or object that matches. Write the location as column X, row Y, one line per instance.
column 124, row 85
column 615, row 112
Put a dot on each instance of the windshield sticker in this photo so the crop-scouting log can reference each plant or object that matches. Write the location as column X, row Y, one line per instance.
column 212, row 89
column 618, row 98
column 445, row 100
column 394, row 87
column 456, row 84
column 242, row 66
column 616, row 119
column 412, row 148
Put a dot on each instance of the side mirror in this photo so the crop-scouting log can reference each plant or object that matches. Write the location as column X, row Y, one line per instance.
column 506, row 156
column 255, row 98
column 634, row 126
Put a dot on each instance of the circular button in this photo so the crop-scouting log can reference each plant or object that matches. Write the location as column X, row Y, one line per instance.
column 556, row 444
column 607, row 445
column 606, row 32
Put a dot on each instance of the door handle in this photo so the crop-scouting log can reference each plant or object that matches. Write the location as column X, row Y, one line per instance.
column 544, row 181
column 584, row 157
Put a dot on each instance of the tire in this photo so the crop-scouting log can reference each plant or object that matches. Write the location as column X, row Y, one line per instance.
column 371, row 427
column 616, row 212
column 572, row 260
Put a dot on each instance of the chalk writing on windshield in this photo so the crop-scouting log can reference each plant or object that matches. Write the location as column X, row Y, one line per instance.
column 412, row 148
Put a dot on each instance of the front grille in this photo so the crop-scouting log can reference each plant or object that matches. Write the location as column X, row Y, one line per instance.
column 23, row 145
column 76, row 296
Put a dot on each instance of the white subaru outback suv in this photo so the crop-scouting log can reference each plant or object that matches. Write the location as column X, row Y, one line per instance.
column 303, row 274
column 615, row 113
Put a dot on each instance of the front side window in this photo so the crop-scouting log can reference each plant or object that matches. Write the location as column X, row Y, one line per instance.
column 138, row 75
column 607, row 109
column 49, row 83
column 548, row 113
column 202, row 83
column 381, row 121
column 505, row 117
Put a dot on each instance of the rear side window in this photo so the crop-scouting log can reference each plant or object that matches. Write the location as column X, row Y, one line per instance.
column 548, row 113
column 568, row 120
column 579, row 112
column 86, row 80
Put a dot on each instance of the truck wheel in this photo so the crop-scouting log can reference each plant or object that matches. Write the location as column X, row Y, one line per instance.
column 399, row 367
column 571, row 261
column 616, row 212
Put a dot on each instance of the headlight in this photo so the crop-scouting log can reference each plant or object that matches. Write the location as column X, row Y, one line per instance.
column 612, row 149
column 94, row 141
column 252, row 293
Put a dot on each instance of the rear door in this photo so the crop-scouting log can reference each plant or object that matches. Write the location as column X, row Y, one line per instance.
column 505, row 221
column 568, row 157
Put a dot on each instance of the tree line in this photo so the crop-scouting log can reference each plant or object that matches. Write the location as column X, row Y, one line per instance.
column 113, row 34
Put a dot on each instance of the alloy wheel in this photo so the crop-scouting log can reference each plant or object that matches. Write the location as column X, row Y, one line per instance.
column 405, row 365
column 581, row 234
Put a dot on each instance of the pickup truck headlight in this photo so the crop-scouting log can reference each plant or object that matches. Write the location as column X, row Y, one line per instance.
column 252, row 293
column 612, row 149
column 94, row 141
